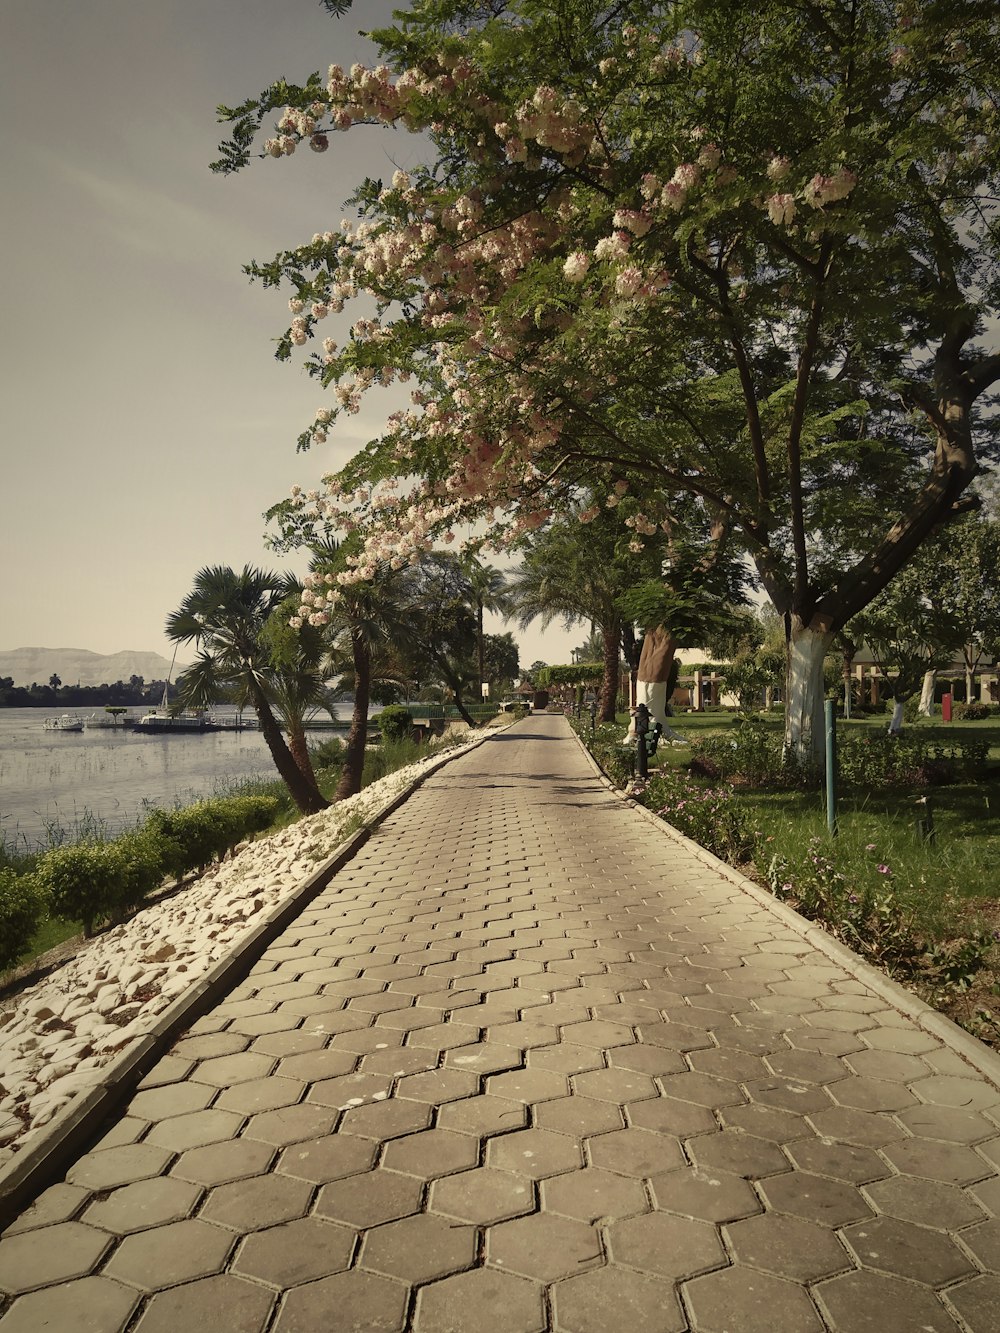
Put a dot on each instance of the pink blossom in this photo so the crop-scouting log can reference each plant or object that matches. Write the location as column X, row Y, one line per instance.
column 576, row 266
column 781, row 208
column 778, row 168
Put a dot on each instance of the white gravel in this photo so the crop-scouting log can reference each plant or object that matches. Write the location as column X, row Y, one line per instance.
column 56, row 1036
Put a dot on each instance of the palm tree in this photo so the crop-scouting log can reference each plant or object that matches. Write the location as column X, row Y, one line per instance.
column 367, row 625
column 225, row 614
column 490, row 593
column 577, row 573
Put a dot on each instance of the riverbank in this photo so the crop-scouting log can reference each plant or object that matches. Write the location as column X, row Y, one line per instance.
column 58, row 1035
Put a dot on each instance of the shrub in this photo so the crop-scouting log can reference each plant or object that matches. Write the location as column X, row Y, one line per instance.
column 82, row 882
column 711, row 816
column 752, row 753
column 972, row 712
column 395, row 722
column 22, row 903
column 137, row 863
column 328, row 753
column 192, row 837
column 878, row 760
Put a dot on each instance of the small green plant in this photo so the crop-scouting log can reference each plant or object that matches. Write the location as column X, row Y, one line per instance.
column 712, row 816
column 82, row 883
column 22, row 905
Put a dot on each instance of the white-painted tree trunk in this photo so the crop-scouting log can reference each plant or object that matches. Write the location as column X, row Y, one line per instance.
column 805, row 689
column 926, row 706
column 896, row 721
column 847, row 696
column 653, row 693
column 970, row 686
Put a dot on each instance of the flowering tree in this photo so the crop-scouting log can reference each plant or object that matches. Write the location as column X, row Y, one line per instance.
column 746, row 251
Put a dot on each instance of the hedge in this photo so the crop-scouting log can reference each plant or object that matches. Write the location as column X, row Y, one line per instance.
column 22, row 905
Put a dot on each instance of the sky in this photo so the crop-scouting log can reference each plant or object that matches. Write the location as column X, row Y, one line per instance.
column 144, row 424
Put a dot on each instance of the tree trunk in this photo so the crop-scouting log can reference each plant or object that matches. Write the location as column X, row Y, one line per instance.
column 299, row 747
column 306, row 795
column 804, row 691
column 896, row 721
column 926, row 706
column 611, row 632
column 357, row 737
column 480, row 645
column 630, row 647
column 462, row 710
column 655, row 661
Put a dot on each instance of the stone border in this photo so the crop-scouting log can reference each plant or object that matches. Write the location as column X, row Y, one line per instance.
column 44, row 1159
column 983, row 1058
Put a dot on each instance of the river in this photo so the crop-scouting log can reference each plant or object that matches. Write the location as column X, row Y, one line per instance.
column 51, row 780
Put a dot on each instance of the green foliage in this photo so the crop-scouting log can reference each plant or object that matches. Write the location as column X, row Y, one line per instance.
column 82, row 883
column 395, row 722
column 754, row 754
column 22, row 905
column 193, row 836
column 972, row 712
column 575, row 673
column 712, row 816
column 870, row 918
column 868, row 761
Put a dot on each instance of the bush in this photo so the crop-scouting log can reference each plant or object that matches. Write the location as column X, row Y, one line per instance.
column 22, row 903
column 711, row 816
column 395, row 722
column 82, row 883
column 192, row 837
column 878, row 760
column 752, row 753
column 328, row 754
column 972, row 712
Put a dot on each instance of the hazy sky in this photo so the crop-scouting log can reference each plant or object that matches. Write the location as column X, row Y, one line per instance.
column 145, row 425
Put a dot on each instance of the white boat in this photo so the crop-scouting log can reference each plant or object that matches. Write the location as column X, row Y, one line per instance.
column 68, row 722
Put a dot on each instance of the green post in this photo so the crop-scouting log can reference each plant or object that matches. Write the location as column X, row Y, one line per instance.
column 831, row 766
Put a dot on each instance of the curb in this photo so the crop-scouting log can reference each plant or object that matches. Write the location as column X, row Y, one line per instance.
column 983, row 1058
column 44, row 1160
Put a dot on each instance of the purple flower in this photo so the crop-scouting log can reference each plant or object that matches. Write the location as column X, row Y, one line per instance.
column 884, row 870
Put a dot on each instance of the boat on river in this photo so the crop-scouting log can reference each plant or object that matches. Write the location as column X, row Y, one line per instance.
column 68, row 722
column 161, row 719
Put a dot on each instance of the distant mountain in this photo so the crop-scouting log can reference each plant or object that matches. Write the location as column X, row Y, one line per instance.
column 78, row 666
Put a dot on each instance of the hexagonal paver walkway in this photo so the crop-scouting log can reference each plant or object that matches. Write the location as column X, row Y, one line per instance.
column 530, row 1064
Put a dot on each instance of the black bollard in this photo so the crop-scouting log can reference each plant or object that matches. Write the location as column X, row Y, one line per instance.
column 641, row 727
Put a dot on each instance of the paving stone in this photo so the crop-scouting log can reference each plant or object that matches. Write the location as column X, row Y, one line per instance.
column 367, row 1200
column 483, row 1115
column 787, row 1247
column 529, row 1085
column 926, row 1202
column 223, row 1304
column 118, row 1166
column 635, row 1152
column 261, row 1201
column 666, row 1245
column 591, row 1195
column 90, row 1305
column 738, row 1153
column 294, row 1252
column 227, row 1070
column 327, row 1158
column 195, row 1129
column 261, row 1094
column 831, row 1203
column 482, row 1298
column 535, row 1153
column 867, row 1129
column 750, row 1301
column 146, row 1203
column 483, row 1195
column 168, row 1255
column 977, row 1302
column 984, row 1242
column 670, row 1115
column 969, row 1093
column 543, row 1246
column 787, row 1094
column 946, row 1123
column 350, row 1090
column 431, row 1153
column 948, row 1162
column 843, row 1161
column 56, row 1204
column 290, row 1124
column 221, row 1162
column 863, row 1302
column 611, row 1298
column 311, row 1066
column 210, row 1044
column 909, row 1251
column 578, row 1116
column 419, row 1248
column 711, row 1196
column 64, row 1251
